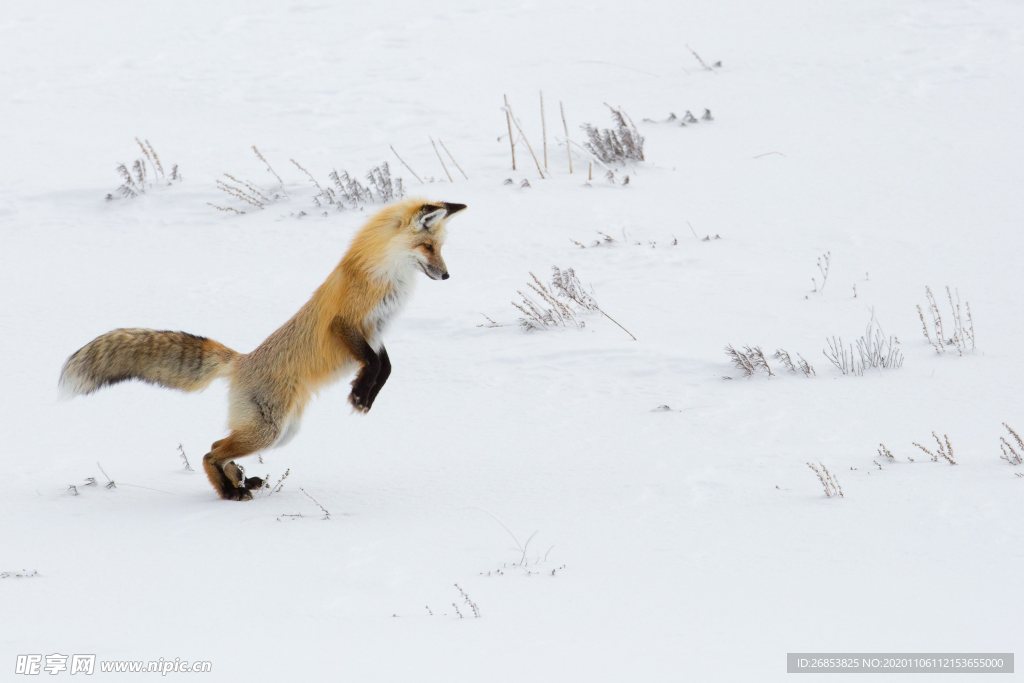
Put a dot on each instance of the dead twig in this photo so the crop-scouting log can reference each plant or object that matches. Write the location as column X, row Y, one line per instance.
column 441, row 142
column 406, row 165
column 442, row 161
column 511, row 138
column 567, row 141
column 327, row 515
column 525, row 139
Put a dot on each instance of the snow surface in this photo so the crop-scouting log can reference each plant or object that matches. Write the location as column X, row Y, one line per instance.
column 691, row 544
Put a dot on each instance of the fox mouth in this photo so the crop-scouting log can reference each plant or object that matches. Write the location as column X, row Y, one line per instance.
column 433, row 273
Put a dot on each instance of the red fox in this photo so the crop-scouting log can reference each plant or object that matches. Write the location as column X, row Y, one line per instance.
column 339, row 328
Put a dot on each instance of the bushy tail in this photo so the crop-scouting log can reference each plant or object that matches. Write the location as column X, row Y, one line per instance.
column 176, row 360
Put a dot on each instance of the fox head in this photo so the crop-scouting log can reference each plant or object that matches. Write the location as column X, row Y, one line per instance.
column 401, row 240
column 422, row 235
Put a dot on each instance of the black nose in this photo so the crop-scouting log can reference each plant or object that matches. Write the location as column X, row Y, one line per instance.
column 445, row 276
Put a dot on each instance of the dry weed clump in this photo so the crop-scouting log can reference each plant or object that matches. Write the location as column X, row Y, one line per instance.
column 184, row 458
column 144, row 173
column 1010, row 454
column 872, row 350
column 23, row 574
column 607, row 240
column 960, row 336
column 617, row 145
column 344, row 191
column 251, row 194
column 561, row 305
column 466, row 600
column 686, row 119
column 280, row 482
column 749, row 361
column 546, row 313
column 350, row 193
column 824, row 261
column 801, row 365
column 828, row 481
column 945, row 449
column 752, row 361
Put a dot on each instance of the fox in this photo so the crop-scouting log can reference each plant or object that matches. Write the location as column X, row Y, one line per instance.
column 338, row 331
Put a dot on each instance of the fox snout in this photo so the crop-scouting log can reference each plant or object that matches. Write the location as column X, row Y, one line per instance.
column 430, row 261
column 438, row 271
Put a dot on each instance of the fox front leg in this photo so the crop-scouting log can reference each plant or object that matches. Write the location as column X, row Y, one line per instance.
column 362, row 385
column 382, row 376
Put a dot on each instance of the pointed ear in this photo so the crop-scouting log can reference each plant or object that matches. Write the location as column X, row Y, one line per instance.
column 431, row 216
column 453, row 208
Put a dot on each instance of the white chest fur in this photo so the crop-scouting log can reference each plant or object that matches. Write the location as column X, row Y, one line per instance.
column 389, row 306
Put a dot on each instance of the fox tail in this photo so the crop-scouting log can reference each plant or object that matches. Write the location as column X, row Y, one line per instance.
column 176, row 360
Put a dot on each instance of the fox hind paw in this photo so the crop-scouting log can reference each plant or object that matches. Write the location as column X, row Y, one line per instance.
column 236, row 494
column 253, row 483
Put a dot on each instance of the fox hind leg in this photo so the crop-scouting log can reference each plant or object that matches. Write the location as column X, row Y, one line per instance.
column 221, row 469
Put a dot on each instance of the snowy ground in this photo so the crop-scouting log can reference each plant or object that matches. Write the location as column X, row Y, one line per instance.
column 691, row 544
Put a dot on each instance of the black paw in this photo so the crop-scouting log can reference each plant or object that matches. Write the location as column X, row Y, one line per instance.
column 360, row 401
column 253, row 483
column 236, row 494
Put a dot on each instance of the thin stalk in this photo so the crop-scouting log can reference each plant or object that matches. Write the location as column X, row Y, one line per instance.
column 527, row 141
column 406, row 165
column 442, row 161
column 566, row 126
column 453, row 159
column 617, row 323
column 511, row 139
column 544, row 130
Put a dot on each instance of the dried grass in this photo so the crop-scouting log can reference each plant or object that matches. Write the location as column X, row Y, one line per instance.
column 280, row 482
column 327, row 515
column 1011, row 454
column 546, row 313
column 751, row 361
column 962, row 334
column 466, row 600
column 824, row 261
column 618, row 145
column 828, row 481
column 945, row 449
column 143, row 174
column 801, row 365
column 184, row 458
column 872, row 350
column 685, row 119
column 560, row 306
column 350, row 193
column 344, row 192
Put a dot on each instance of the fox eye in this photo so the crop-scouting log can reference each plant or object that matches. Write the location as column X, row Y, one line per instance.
column 429, row 248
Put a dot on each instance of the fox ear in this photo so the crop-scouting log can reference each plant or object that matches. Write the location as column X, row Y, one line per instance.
column 432, row 216
column 453, row 208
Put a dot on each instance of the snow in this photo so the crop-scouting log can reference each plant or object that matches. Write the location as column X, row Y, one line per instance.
column 692, row 543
